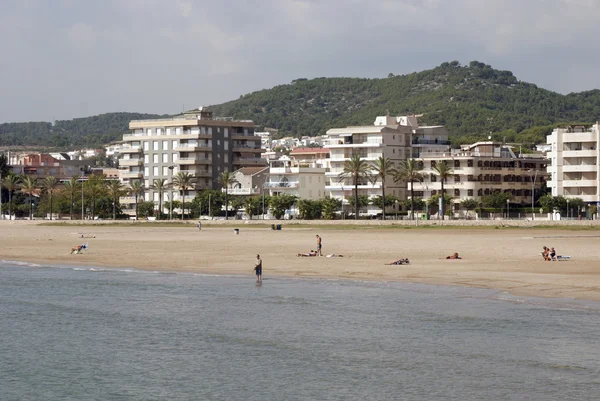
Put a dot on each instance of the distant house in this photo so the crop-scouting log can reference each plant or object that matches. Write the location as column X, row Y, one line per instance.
column 250, row 181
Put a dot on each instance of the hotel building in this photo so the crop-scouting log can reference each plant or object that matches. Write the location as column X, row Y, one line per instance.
column 196, row 143
column 575, row 163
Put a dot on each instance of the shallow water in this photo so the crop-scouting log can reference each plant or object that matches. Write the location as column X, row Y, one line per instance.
column 99, row 334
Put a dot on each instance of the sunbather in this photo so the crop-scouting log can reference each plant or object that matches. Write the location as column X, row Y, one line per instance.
column 453, row 256
column 311, row 253
column 552, row 254
column 399, row 262
column 334, row 255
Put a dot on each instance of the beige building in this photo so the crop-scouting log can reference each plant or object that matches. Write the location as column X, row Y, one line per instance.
column 481, row 169
column 302, row 179
column 575, row 163
column 195, row 142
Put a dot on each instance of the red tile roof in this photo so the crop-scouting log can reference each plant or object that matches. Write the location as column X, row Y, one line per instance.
column 309, row 150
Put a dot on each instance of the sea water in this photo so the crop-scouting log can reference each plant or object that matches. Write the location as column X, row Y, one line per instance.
column 102, row 334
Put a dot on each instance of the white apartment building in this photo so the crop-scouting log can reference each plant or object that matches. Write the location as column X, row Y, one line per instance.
column 249, row 181
column 195, row 143
column 481, row 169
column 575, row 163
column 370, row 142
column 305, row 180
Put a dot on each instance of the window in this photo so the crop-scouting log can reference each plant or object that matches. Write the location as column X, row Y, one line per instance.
column 155, row 145
column 146, row 183
column 146, row 159
column 155, row 196
column 165, row 157
column 174, row 157
column 155, row 171
column 457, row 192
column 177, row 131
column 148, row 131
column 226, row 145
column 146, row 145
column 226, row 132
column 147, row 196
column 146, row 171
column 456, row 178
column 218, row 142
column 168, row 131
column 165, row 145
column 155, row 158
column 470, row 192
column 159, row 131
column 173, row 144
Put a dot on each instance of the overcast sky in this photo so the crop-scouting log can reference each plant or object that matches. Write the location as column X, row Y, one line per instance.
column 62, row 59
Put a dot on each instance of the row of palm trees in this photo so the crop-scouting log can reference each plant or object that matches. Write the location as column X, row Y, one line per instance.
column 409, row 171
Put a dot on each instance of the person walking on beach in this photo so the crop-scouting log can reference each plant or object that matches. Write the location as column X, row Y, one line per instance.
column 319, row 245
column 258, row 268
column 199, row 225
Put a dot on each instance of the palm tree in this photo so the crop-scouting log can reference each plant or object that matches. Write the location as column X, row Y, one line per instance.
column 160, row 186
column 183, row 181
column 28, row 186
column 95, row 186
column 358, row 170
column 227, row 179
column 410, row 172
column 71, row 189
column 383, row 167
column 116, row 190
column 11, row 182
column 444, row 171
column 49, row 185
column 137, row 189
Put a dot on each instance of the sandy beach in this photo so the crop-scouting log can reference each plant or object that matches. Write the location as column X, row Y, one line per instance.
column 504, row 259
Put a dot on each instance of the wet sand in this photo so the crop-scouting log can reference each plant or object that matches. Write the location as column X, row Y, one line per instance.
column 503, row 259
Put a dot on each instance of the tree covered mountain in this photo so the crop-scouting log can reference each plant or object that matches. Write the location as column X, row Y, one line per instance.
column 472, row 101
column 87, row 131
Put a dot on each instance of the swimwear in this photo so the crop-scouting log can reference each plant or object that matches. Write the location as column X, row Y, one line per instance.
column 259, row 271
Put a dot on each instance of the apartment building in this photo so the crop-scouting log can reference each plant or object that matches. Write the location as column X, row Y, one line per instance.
column 195, row 142
column 388, row 137
column 306, row 180
column 481, row 169
column 574, row 164
column 41, row 165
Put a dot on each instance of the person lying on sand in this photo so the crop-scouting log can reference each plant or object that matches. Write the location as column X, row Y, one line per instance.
column 453, row 256
column 311, row 253
column 88, row 236
column 399, row 262
column 334, row 255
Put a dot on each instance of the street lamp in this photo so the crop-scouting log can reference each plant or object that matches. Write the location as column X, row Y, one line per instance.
column 567, row 209
column 1, row 214
column 171, row 192
column 533, row 194
column 507, row 209
column 82, row 169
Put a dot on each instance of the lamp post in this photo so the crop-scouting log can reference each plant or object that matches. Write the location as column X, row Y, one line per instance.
column 507, row 209
column 263, row 201
column 533, row 195
column 82, row 169
column 171, row 192
column 567, row 208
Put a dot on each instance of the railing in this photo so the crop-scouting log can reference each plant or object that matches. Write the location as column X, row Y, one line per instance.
column 241, row 191
column 287, row 184
column 430, row 142
column 194, row 159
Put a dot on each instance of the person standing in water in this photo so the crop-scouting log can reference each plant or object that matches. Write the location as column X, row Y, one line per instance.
column 258, row 268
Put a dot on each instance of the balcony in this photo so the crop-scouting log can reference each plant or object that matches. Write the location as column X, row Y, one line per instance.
column 242, row 191
column 246, row 148
column 194, row 147
column 430, row 142
column 367, row 144
column 571, row 168
column 249, row 161
column 580, row 153
column 282, row 184
column 131, row 149
column 194, row 160
column 579, row 183
column 130, row 174
column 198, row 174
column 130, row 162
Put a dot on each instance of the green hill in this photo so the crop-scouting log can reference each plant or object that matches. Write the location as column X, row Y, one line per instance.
column 472, row 101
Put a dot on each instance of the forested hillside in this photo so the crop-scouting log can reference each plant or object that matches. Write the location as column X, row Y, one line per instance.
column 473, row 101
column 87, row 131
